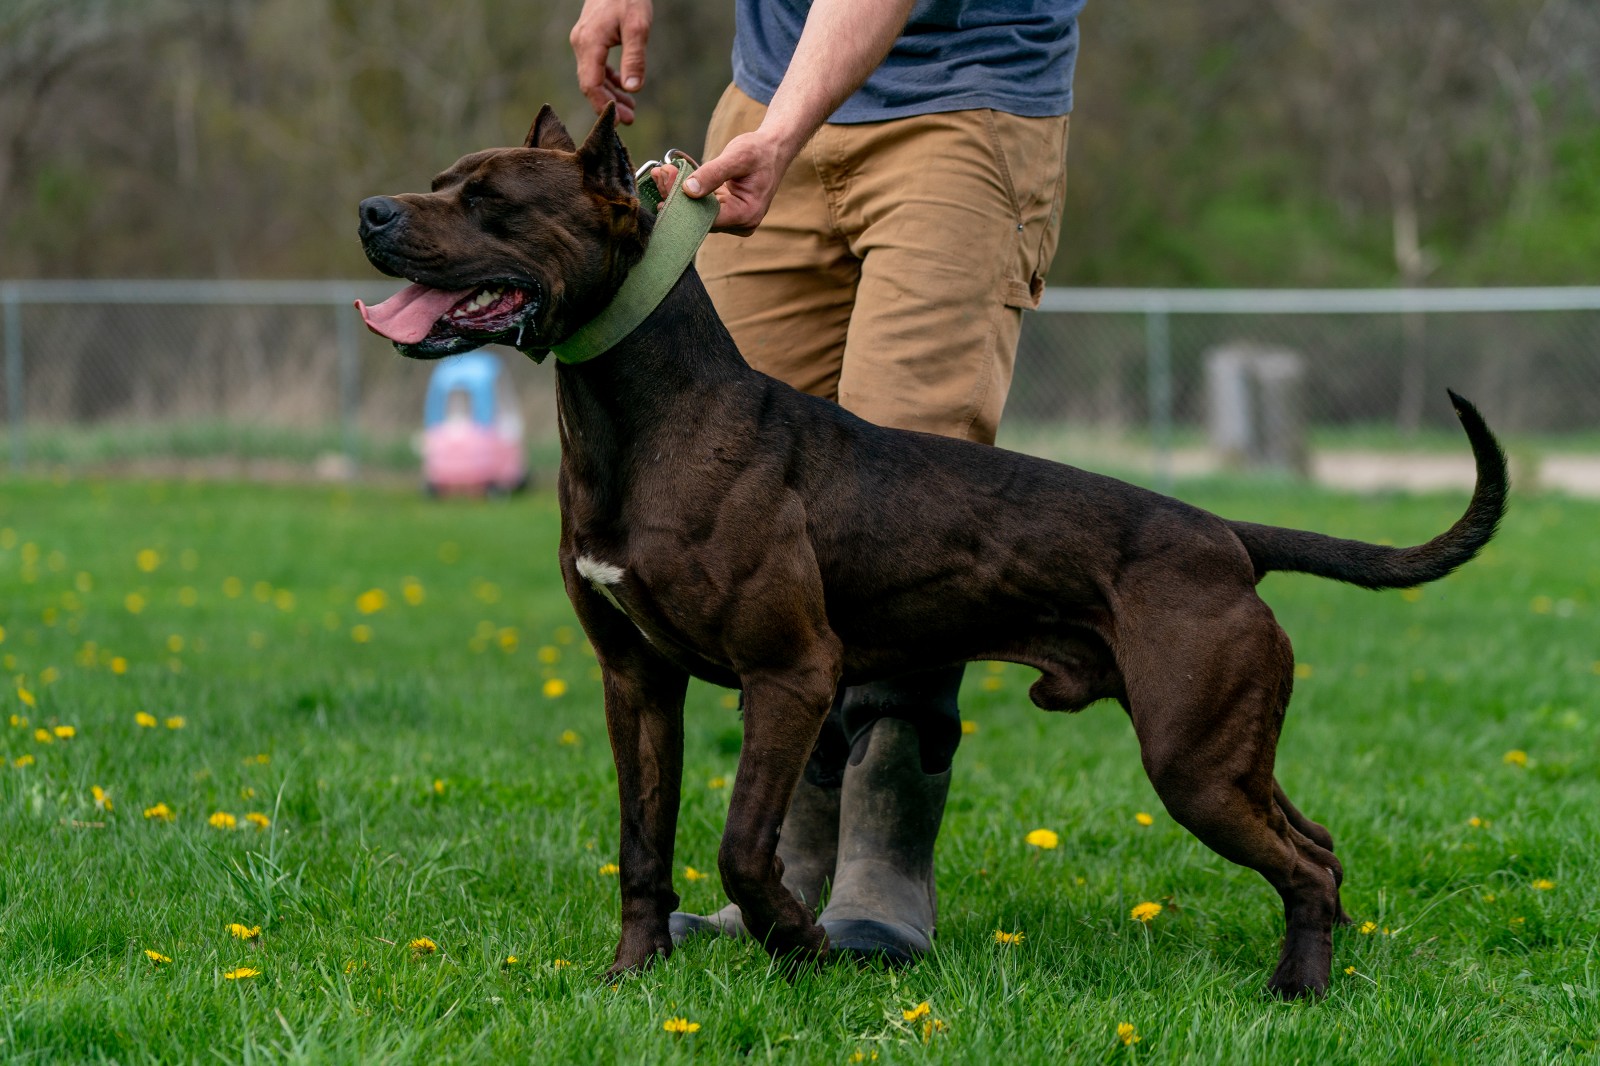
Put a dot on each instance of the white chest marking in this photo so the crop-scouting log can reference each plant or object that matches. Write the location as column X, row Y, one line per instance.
column 602, row 576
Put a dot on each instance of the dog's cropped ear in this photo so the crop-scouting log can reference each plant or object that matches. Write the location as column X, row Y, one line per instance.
column 548, row 132
column 605, row 161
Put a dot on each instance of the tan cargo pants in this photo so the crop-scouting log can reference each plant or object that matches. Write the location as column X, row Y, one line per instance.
column 892, row 270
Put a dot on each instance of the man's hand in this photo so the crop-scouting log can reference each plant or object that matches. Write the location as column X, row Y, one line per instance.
column 744, row 178
column 602, row 25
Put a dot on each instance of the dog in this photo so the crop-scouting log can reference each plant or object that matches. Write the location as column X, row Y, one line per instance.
column 716, row 523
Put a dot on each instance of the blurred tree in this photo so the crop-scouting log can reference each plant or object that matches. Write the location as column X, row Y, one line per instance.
column 1301, row 141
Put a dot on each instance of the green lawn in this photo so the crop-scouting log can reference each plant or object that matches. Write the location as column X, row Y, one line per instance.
column 439, row 769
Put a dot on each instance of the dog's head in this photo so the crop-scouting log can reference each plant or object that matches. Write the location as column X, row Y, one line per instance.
column 515, row 245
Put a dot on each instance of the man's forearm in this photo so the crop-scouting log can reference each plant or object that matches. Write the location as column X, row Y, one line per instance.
column 842, row 43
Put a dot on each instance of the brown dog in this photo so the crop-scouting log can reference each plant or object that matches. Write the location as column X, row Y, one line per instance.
column 719, row 524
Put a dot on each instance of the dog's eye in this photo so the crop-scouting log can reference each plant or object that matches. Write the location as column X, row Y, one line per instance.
column 474, row 195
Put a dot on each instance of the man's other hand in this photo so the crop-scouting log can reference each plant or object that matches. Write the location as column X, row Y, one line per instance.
column 601, row 26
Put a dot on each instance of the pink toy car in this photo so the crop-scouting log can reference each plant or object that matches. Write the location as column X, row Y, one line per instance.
column 472, row 429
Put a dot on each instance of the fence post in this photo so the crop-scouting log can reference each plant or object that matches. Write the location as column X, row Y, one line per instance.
column 14, row 431
column 349, row 377
column 1158, row 352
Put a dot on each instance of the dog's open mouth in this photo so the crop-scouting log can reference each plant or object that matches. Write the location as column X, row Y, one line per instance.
column 426, row 323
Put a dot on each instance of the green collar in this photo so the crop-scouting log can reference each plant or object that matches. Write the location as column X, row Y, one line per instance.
column 673, row 242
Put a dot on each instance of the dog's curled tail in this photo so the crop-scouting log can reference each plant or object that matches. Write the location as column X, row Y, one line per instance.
column 1375, row 566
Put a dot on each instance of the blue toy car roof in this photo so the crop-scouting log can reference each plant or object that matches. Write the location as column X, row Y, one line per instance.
column 474, row 373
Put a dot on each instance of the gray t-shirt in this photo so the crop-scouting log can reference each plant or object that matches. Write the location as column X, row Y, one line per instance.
column 1015, row 56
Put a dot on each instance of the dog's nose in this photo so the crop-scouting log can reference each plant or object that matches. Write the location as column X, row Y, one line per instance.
column 377, row 212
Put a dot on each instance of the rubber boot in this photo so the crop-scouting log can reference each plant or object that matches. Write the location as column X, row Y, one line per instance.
column 883, row 904
column 808, row 844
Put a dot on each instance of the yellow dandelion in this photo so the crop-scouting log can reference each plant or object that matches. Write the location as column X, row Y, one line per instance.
column 1003, row 937
column 244, row 932
column 1127, row 1034
column 156, row 957
column 159, row 813
column 1543, row 885
column 680, row 1026
column 262, row 591
column 133, row 602
column 511, row 960
column 241, row 974
column 372, row 601
column 1541, row 605
column 1042, row 838
column 438, row 786
column 413, row 592
column 1489, row 897
column 26, row 697
column 919, row 1011
column 863, row 1056
column 1144, row 819
column 1411, row 595
column 609, row 869
column 177, row 721
column 22, row 761
column 1475, row 822
column 283, row 600
column 145, row 720
column 257, row 819
column 992, row 684
column 1519, row 921
column 44, row 736
column 549, row 655
column 260, row 760
column 423, row 946
column 232, row 588
column 222, row 820
column 102, row 799
column 361, row 634
column 1303, row 671
column 717, row 783
column 1515, row 757
column 49, row 675
column 1349, row 969
column 18, row 721
column 932, row 1026
column 968, row 728
column 691, row 874
column 568, row 737
column 147, row 560
column 1368, row 928
column 555, row 688
column 188, row 596
column 560, row 964
column 66, row 732
column 1145, row 912
column 119, row 665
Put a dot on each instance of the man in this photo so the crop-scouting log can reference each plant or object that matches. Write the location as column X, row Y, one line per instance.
column 890, row 175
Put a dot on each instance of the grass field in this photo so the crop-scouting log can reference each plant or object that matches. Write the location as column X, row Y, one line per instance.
column 398, row 688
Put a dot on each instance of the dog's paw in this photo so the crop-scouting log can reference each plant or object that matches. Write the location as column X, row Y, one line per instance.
column 1292, row 981
column 638, row 954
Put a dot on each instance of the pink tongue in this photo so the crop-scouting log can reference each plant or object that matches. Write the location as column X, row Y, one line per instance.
column 408, row 316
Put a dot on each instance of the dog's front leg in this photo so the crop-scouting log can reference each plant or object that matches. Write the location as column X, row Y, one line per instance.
column 782, row 715
column 644, row 718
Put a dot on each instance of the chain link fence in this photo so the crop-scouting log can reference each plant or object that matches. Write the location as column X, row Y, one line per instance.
column 269, row 379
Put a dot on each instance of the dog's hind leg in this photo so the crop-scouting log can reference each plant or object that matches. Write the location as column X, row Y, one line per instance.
column 1318, row 836
column 1206, row 705
column 783, row 712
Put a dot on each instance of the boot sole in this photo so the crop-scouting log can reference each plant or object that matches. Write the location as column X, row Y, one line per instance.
column 872, row 941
